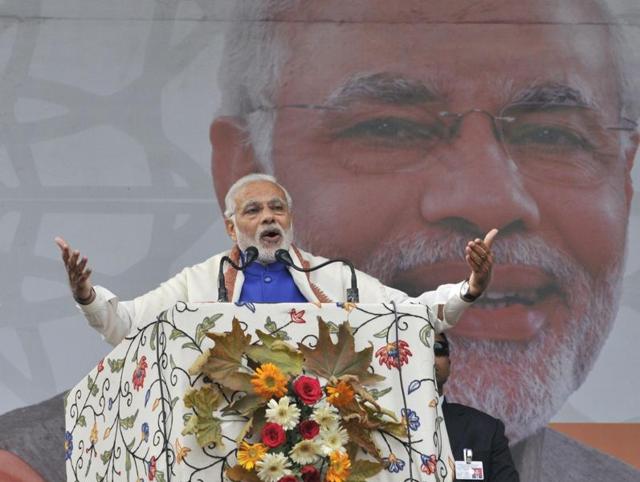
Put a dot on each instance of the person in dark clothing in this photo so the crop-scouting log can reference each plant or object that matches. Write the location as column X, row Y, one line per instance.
column 471, row 429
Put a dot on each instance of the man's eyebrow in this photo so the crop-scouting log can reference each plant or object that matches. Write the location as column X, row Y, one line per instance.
column 551, row 94
column 383, row 87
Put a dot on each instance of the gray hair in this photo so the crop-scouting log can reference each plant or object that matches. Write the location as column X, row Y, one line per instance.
column 230, row 201
column 254, row 54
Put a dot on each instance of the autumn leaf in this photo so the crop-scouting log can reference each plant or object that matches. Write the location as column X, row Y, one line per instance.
column 363, row 470
column 361, row 436
column 238, row 474
column 331, row 360
column 224, row 364
column 203, row 424
column 276, row 351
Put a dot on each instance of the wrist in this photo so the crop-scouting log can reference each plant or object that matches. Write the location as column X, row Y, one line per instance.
column 467, row 293
column 86, row 300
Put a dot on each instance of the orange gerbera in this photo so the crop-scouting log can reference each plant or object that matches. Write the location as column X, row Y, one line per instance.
column 340, row 395
column 339, row 468
column 250, row 454
column 269, row 381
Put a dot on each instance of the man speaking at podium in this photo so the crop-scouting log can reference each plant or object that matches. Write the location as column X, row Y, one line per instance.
column 258, row 213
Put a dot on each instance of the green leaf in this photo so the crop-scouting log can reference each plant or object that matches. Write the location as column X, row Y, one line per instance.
column 270, row 325
column 82, row 421
column 375, row 393
column 172, row 363
column 127, row 463
column 116, row 365
column 160, row 476
column 105, row 457
column 424, row 334
column 276, row 351
column 154, row 335
column 191, row 345
column 175, row 334
column 333, row 328
column 363, row 470
column 202, row 328
column 382, row 333
column 174, row 401
column 225, row 362
column 127, row 423
column 331, row 360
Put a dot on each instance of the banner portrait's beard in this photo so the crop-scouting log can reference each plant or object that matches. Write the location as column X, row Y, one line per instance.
column 266, row 254
column 543, row 371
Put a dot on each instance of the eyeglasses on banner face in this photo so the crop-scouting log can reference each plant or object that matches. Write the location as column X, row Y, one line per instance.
column 565, row 144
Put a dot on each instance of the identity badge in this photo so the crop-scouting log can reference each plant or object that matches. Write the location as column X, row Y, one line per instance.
column 469, row 471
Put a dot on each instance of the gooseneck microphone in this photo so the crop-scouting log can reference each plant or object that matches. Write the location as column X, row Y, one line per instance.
column 353, row 296
column 250, row 255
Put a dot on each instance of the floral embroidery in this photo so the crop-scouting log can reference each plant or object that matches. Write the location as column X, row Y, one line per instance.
column 145, row 432
column 394, row 354
column 297, row 316
column 152, row 468
column 410, row 418
column 428, row 463
column 139, row 373
column 68, row 445
column 394, row 464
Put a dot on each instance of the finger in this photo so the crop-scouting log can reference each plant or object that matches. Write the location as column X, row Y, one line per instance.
column 488, row 239
column 85, row 276
column 61, row 243
column 82, row 264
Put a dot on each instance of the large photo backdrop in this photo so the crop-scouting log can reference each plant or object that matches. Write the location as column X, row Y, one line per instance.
column 401, row 130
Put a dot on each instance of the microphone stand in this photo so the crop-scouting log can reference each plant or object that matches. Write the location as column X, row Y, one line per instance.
column 250, row 255
column 353, row 295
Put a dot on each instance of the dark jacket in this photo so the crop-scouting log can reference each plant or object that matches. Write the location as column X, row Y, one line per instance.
column 469, row 428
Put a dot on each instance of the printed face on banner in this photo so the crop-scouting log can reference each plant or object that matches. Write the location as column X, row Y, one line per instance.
column 400, row 141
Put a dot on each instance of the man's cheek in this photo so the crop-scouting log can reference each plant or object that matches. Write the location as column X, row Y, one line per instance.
column 592, row 225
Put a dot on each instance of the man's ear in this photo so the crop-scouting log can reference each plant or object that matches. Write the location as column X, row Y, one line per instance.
column 231, row 229
column 232, row 155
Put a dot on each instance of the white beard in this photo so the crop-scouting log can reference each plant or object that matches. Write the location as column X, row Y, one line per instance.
column 266, row 254
column 545, row 370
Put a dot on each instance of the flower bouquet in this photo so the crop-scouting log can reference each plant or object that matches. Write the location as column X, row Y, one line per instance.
column 309, row 411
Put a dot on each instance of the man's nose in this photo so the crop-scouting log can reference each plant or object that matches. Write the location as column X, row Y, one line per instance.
column 482, row 188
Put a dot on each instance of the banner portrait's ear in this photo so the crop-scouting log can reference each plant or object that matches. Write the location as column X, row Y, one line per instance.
column 232, row 154
column 630, row 154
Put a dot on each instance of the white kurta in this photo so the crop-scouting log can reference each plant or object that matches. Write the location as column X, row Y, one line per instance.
column 114, row 319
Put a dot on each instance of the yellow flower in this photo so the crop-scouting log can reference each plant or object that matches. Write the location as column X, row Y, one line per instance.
column 93, row 438
column 339, row 468
column 340, row 395
column 269, row 381
column 181, row 451
column 250, row 454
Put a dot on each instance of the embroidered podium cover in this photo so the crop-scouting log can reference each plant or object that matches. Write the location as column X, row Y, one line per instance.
column 124, row 420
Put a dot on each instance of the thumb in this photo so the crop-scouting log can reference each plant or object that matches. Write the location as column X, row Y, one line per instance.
column 488, row 239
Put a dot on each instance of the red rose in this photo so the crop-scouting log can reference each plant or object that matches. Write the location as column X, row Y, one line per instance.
column 273, row 435
column 308, row 429
column 289, row 478
column 308, row 389
column 310, row 474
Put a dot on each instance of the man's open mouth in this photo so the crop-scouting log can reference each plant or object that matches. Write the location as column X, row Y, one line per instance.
column 520, row 301
column 271, row 236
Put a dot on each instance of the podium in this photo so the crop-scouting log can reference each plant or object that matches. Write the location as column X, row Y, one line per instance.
column 124, row 420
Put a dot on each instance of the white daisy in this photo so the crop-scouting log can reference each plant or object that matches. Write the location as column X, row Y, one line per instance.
column 273, row 467
column 283, row 413
column 325, row 415
column 305, row 452
column 333, row 439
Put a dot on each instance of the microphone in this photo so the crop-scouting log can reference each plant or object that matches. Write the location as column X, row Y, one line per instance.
column 353, row 296
column 250, row 255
